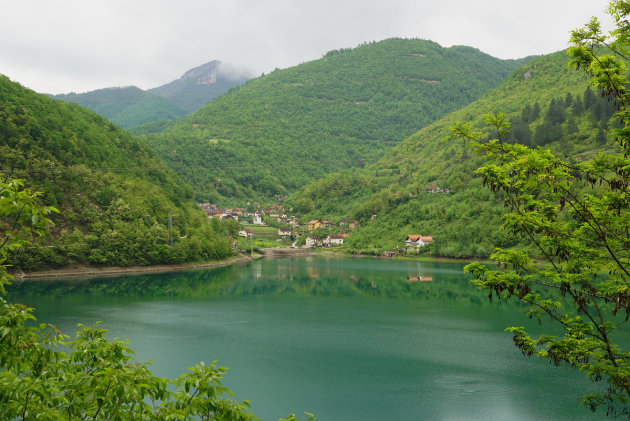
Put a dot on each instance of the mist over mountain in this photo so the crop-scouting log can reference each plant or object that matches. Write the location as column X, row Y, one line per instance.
column 131, row 106
column 202, row 84
column 278, row 132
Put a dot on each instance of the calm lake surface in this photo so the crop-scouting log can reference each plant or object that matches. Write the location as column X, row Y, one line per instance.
column 342, row 338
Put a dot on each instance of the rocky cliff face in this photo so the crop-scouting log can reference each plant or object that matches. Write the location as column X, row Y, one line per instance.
column 206, row 74
column 201, row 84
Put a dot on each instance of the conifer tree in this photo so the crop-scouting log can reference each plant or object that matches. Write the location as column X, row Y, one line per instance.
column 578, row 106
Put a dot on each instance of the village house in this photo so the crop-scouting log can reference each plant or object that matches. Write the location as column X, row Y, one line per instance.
column 314, row 224
column 257, row 219
column 311, row 242
column 327, row 224
column 354, row 224
column 284, row 232
column 417, row 240
column 335, row 239
column 247, row 233
column 419, row 278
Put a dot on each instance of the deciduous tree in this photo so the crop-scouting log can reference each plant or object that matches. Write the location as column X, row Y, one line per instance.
column 46, row 375
column 577, row 214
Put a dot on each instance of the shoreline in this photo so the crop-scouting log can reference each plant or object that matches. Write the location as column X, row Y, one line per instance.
column 86, row 271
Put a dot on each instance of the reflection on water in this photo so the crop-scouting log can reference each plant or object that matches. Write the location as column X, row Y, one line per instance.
column 346, row 339
column 310, row 276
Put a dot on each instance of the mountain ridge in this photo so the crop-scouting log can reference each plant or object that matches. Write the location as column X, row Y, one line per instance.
column 130, row 106
column 465, row 222
column 201, row 84
column 277, row 132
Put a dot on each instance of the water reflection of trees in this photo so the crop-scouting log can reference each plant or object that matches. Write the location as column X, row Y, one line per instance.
column 298, row 277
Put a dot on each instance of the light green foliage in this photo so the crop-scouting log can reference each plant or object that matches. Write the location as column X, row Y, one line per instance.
column 46, row 375
column 577, row 214
column 465, row 222
column 280, row 131
column 126, row 107
column 21, row 218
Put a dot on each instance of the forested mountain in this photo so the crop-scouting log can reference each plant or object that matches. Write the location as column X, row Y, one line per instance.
column 126, row 107
column 548, row 105
column 278, row 132
column 131, row 106
column 118, row 204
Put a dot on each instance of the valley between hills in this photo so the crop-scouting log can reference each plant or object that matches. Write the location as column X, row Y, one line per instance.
column 354, row 136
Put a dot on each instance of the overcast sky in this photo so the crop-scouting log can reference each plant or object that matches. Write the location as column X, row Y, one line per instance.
column 60, row 46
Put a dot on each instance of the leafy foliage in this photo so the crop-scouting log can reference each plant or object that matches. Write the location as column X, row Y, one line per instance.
column 577, row 214
column 46, row 375
column 21, row 218
column 280, row 131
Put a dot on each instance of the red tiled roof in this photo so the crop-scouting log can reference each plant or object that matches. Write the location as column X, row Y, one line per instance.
column 425, row 239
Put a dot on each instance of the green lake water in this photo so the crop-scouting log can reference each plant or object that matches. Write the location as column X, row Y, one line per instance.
column 342, row 338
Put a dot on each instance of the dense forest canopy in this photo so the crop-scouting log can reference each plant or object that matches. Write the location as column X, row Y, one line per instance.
column 280, row 131
column 118, row 203
column 548, row 105
column 127, row 107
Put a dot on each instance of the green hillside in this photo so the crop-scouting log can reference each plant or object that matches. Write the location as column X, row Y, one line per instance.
column 548, row 105
column 126, row 107
column 114, row 195
column 279, row 132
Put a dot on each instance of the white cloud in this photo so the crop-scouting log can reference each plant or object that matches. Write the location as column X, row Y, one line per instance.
column 78, row 45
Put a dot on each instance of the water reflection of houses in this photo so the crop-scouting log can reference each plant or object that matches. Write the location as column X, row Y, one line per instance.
column 314, row 271
column 413, row 278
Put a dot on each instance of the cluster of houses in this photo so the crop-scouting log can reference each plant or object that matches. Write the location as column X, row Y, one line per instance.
column 272, row 211
column 331, row 239
column 412, row 242
column 215, row 212
column 316, row 223
column 328, row 241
